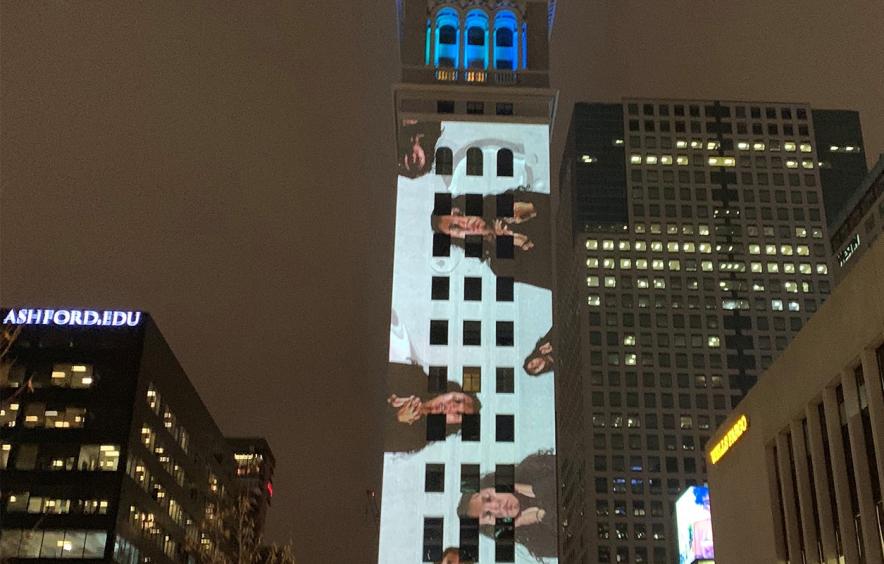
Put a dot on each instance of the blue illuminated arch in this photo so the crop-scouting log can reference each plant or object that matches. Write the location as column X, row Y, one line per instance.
column 506, row 39
column 447, row 38
column 476, row 49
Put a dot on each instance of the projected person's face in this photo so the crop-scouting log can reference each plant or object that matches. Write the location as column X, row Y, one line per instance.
column 488, row 505
column 415, row 159
column 451, row 557
column 538, row 364
column 453, row 405
column 459, row 226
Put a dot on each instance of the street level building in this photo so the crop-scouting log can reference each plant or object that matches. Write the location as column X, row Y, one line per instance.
column 108, row 453
column 860, row 223
column 795, row 471
column 699, row 243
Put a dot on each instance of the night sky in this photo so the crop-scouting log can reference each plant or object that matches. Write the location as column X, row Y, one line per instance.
column 229, row 168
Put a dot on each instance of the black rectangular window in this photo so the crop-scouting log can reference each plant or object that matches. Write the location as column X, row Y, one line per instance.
column 504, row 246
column 472, row 288
column 437, row 379
column 475, row 107
column 504, row 288
column 505, row 478
column 445, row 106
column 469, row 539
column 472, row 333
column 505, row 380
column 438, row 332
column 441, row 245
column 469, row 478
column 505, row 334
column 473, row 246
column 442, row 203
column 473, row 205
column 432, row 539
column 505, row 542
column 504, row 109
column 504, row 205
column 434, row 479
column 470, row 427
column 440, row 288
column 435, row 427
column 505, row 428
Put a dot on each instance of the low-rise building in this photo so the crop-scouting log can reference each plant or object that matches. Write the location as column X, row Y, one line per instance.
column 857, row 227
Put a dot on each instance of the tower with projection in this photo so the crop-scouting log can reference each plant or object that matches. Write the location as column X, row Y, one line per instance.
column 470, row 437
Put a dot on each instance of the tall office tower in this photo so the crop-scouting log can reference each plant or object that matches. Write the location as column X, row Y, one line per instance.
column 469, row 462
column 700, row 232
column 842, row 158
column 108, row 453
column 254, row 475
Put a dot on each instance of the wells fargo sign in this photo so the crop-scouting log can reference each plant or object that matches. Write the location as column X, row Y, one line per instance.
column 729, row 439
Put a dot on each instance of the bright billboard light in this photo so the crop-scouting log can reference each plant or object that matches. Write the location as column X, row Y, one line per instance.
column 694, row 523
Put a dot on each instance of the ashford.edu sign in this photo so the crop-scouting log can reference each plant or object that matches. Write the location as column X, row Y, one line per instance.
column 76, row 317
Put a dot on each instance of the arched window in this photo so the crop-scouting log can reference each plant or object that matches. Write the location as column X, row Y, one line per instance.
column 474, row 161
column 476, row 52
column 447, row 31
column 504, row 162
column 444, row 160
column 505, row 41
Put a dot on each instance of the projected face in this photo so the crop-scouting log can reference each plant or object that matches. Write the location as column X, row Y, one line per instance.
column 451, row 556
column 488, row 505
column 415, row 158
column 459, row 226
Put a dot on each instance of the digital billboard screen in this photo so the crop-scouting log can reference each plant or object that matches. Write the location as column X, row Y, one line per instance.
column 469, row 462
column 694, row 523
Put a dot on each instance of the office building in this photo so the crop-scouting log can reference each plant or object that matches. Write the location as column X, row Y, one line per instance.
column 842, row 160
column 699, row 233
column 108, row 453
column 254, row 474
column 860, row 222
column 795, row 471
column 469, row 462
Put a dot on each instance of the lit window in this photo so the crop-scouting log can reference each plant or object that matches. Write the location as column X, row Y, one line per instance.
column 757, row 286
column 657, row 264
column 803, row 250
column 754, row 249
column 712, row 145
column 642, row 283
column 705, row 248
column 757, row 146
column 789, row 146
column 629, row 340
column 593, row 300
column 641, row 246
column 773, row 267
column 770, row 249
column 822, row 269
column 688, row 247
column 786, row 250
column 804, row 268
column 681, row 144
column 806, row 163
column 743, row 145
column 703, row 229
column 641, row 264
column 592, row 262
column 623, row 245
column 817, row 233
column 672, row 247
column 625, row 263
column 682, row 160
column 706, row 266
column 674, row 265
column 610, row 282
column 608, row 263
column 657, row 246
column 651, row 159
column 776, row 305
column 791, row 163
column 722, row 161
column 800, row 232
column 794, row 306
column 756, row 267
column 790, row 286
column 696, row 144
column 659, row 283
column 592, row 244
column 806, row 148
column 592, row 281
column 608, row 245
column 635, row 159
column 629, row 359
column 666, row 159
column 789, row 267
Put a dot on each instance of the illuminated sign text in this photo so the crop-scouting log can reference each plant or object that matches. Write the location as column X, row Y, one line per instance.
column 848, row 250
column 729, row 439
column 75, row 317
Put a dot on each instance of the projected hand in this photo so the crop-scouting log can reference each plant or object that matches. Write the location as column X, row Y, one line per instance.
column 500, row 228
column 410, row 412
column 522, row 241
column 530, row 516
column 545, row 348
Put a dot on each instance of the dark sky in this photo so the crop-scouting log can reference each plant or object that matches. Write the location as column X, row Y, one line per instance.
column 228, row 167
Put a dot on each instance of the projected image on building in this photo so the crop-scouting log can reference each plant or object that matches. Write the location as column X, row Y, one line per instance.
column 469, row 464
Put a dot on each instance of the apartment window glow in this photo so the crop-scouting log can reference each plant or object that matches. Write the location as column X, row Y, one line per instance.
column 786, row 250
column 608, row 245
column 789, row 267
column 592, row 262
column 682, row 160
column 801, row 232
column 703, row 229
column 757, row 146
column 705, row 248
column 803, row 250
column 822, row 269
column 696, row 144
column 789, row 146
column 635, row 159
column 805, row 148
column 773, row 267
column 722, row 161
column 625, row 263
column 629, row 359
column 706, row 266
column 806, row 163
column 623, row 245
column 610, row 282
column 754, row 249
column 776, row 305
column 592, row 245
column 659, row 283
column 592, row 281
column 770, row 249
column 666, row 159
column 688, row 247
column 608, row 263
column 790, row 286
column 629, row 340
column 756, row 267
column 641, row 246
column 641, row 283
column 791, row 163
column 593, row 300
column 672, row 247
column 641, row 264
column 674, row 265
column 651, row 159
column 794, row 306
column 657, row 246
column 712, row 145
column 804, row 268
